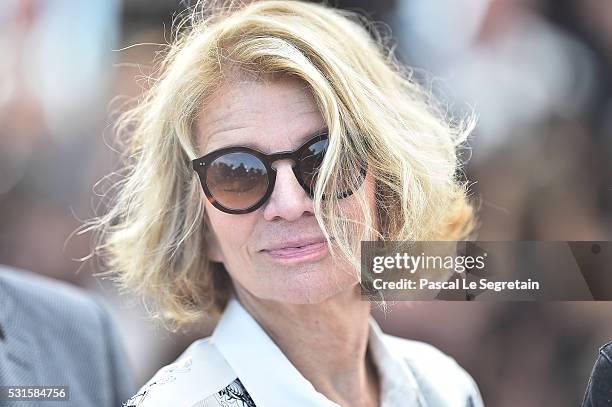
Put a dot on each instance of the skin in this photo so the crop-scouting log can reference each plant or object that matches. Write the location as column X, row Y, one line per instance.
column 312, row 305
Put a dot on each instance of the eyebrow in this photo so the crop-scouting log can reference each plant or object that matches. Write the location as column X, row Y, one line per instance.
column 303, row 139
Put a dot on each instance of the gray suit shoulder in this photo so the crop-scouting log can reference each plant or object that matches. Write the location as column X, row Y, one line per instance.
column 38, row 297
column 443, row 381
column 71, row 327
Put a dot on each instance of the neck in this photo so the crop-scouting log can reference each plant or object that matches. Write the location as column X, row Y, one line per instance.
column 335, row 333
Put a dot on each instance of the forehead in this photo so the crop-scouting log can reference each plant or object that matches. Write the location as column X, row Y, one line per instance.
column 270, row 114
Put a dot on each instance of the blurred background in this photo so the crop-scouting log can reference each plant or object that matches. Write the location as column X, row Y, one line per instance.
column 538, row 73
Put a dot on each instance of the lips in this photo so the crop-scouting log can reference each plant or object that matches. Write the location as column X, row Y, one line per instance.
column 294, row 244
column 297, row 250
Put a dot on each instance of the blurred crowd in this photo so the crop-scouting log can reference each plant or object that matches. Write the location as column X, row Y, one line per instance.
column 537, row 73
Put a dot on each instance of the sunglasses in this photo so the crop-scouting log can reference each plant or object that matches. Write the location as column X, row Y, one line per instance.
column 239, row 180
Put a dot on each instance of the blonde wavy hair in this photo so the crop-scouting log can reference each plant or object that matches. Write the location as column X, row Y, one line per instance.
column 153, row 236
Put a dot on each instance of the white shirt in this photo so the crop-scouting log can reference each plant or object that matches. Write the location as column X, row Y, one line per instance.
column 240, row 365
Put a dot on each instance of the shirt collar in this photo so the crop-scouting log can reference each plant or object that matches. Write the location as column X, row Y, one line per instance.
column 271, row 379
column 398, row 386
column 265, row 372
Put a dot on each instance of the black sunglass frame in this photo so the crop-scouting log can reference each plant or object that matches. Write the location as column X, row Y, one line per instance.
column 201, row 165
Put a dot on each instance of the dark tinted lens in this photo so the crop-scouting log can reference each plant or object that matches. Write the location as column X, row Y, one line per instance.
column 350, row 181
column 237, row 180
column 311, row 160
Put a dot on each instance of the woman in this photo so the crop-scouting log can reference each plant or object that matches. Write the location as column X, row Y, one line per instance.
column 278, row 136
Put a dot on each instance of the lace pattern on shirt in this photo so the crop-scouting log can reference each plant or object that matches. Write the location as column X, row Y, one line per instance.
column 234, row 395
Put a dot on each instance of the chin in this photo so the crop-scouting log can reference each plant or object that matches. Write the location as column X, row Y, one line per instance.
column 310, row 286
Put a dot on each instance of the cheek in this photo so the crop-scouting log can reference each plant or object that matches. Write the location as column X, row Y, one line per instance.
column 231, row 231
column 351, row 204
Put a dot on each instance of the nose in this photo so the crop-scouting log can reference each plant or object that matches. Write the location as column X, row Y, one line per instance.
column 288, row 201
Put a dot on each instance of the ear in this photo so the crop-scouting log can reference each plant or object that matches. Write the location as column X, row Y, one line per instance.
column 212, row 244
